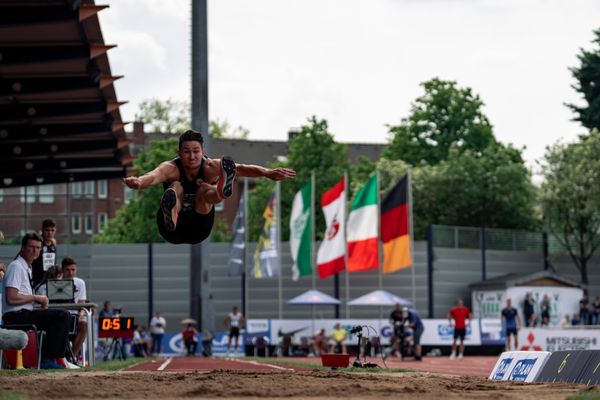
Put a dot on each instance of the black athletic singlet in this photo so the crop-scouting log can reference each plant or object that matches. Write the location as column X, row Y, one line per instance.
column 191, row 227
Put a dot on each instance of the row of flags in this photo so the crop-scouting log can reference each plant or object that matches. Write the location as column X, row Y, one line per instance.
column 350, row 242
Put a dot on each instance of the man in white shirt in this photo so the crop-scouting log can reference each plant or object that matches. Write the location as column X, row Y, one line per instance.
column 157, row 331
column 18, row 301
column 69, row 270
column 234, row 322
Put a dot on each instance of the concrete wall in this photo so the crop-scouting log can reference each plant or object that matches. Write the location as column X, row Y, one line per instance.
column 119, row 273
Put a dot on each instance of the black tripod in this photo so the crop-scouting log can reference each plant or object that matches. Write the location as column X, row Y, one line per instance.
column 117, row 350
column 358, row 363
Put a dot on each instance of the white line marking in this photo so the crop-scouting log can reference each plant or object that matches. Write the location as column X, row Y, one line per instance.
column 262, row 364
column 164, row 365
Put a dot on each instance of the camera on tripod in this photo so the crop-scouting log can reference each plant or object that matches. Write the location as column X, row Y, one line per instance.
column 356, row 329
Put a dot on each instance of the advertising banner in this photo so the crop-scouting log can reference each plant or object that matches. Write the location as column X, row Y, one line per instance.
column 556, row 339
column 439, row 332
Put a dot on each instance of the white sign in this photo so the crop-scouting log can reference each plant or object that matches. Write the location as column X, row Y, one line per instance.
column 520, row 366
column 439, row 332
column 549, row 339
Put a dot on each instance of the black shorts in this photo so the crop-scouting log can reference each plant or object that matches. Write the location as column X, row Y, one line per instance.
column 191, row 227
column 511, row 331
column 234, row 332
column 460, row 333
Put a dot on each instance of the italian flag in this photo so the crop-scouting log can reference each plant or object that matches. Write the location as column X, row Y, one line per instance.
column 362, row 229
column 300, row 232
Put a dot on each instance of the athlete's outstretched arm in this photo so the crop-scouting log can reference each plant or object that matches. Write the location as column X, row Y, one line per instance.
column 158, row 175
column 256, row 171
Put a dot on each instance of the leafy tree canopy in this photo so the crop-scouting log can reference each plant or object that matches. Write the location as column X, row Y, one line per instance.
column 587, row 77
column 445, row 116
column 311, row 149
column 571, row 197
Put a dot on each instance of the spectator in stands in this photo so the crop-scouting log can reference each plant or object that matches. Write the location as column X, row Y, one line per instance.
column 157, row 331
column 189, row 339
column 459, row 317
column 584, row 311
column 69, row 270
column 339, row 336
column 533, row 321
column 595, row 308
column 565, row 322
column 545, row 308
column 511, row 324
column 528, row 308
column 576, row 320
column 319, row 343
column 234, row 322
column 18, row 301
column 106, row 310
column 47, row 257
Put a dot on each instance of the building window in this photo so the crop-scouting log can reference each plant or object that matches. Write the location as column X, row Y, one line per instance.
column 28, row 191
column 76, row 223
column 102, row 221
column 128, row 194
column 89, row 223
column 46, row 194
column 88, row 189
column 76, row 189
column 102, row 189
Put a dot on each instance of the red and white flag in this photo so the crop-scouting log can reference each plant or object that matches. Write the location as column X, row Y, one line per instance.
column 330, row 257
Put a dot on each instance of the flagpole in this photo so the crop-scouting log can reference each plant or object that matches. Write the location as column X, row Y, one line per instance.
column 312, row 237
column 379, row 252
column 278, row 226
column 412, row 239
column 246, row 263
column 346, row 275
column 312, row 228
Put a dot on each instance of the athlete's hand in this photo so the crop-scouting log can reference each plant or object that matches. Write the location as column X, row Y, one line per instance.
column 133, row 182
column 279, row 174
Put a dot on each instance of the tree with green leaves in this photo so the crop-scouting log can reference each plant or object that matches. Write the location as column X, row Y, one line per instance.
column 445, row 116
column 311, row 149
column 164, row 116
column 571, row 198
column 587, row 77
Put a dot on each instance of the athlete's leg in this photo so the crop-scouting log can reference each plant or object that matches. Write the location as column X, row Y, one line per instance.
column 206, row 197
column 170, row 204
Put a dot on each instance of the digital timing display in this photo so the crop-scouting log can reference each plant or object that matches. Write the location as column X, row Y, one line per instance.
column 115, row 327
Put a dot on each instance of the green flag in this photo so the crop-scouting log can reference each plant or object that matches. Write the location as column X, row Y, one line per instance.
column 300, row 232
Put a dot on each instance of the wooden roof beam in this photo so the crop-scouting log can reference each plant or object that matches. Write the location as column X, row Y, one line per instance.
column 89, row 10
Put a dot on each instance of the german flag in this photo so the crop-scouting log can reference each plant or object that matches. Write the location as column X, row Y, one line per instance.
column 395, row 228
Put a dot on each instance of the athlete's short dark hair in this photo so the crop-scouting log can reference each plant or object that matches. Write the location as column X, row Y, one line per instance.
column 48, row 223
column 68, row 261
column 191, row 136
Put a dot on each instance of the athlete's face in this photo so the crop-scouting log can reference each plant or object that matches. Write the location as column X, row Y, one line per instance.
column 191, row 153
column 48, row 233
column 70, row 271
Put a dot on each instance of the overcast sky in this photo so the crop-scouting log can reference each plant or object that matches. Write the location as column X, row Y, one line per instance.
column 358, row 64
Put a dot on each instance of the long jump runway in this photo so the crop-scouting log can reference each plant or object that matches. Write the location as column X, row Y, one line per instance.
column 469, row 366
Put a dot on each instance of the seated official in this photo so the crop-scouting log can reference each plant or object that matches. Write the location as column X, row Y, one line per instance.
column 338, row 335
column 319, row 343
column 18, row 302
column 69, row 271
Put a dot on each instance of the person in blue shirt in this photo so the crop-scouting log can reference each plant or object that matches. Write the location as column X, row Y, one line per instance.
column 511, row 324
column 413, row 321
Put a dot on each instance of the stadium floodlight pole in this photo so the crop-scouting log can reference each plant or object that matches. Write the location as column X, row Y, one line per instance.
column 199, row 290
column 345, row 216
column 246, row 263
column 411, row 237
column 278, row 248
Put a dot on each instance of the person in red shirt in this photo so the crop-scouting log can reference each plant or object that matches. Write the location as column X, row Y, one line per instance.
column 459, row 316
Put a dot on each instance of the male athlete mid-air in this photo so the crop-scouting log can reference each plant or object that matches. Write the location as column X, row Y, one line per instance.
column 193, row 184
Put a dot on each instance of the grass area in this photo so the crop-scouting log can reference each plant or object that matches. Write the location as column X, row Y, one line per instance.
column 112, row 365
column 317, row 365
column 12, row 396
column 585, row 395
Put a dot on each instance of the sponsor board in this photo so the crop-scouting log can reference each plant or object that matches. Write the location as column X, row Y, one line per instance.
column 591, row 372
column 440, row 332
column 519, row 366
column 564, row 366
column 556, row 339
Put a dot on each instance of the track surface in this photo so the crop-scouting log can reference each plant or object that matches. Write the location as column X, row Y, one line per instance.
column 469, row 366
